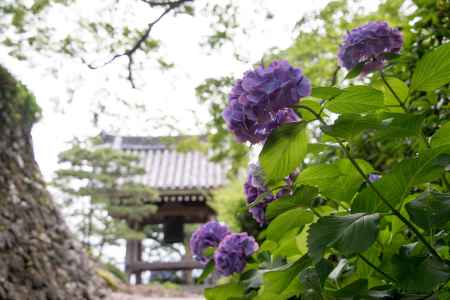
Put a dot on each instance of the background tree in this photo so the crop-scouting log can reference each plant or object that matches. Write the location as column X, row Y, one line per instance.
column 99, row 186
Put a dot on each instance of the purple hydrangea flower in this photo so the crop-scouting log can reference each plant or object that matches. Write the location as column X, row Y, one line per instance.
column 254, row 187
column 245, row 129
column 207, row 235
column 256, row 99
column 232, row 253
column 288, row 189
column 369, row 43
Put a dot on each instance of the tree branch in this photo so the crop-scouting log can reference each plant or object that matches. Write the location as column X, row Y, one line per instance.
column 170, row 5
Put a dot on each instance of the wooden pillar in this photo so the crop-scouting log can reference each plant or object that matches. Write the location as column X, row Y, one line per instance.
column 129, row 250
column 133, row 254
column 138, row 258
column 188, row 257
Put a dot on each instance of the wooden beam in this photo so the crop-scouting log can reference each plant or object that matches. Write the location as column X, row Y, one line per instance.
column 164, row 266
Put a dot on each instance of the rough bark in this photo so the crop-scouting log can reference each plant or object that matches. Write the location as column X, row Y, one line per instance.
column 39, row 258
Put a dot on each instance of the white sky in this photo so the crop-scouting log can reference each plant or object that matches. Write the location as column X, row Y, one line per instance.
column 168, row 94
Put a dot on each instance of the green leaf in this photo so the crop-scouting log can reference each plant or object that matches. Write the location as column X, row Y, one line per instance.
column 419, row 274
column 340, row 173
column 349, row 234
column 287, row 245
column 400, row 89
column 283, row 151
column 433, row 70
column 294, row 218
column 224, row 291
column 441, row 137
column 325, row 93
column 275, row 282
column 395, row 125
column 354, row 289
column 301, row 198
column 430, row 210
column 355, row 71
column 395, row 185
column 385, row 125
column 349, row 126
column 357, row 99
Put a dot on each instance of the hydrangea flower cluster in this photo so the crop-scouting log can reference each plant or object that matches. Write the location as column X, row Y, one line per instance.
column 369, row 43
column 254, row 187
column 232, row 249
column 208, row 235
column 232, row 253
column 260, row 101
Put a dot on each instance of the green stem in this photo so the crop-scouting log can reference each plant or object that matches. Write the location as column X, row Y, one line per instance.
column 380, row 196
column 392, row 91
column 376, row 268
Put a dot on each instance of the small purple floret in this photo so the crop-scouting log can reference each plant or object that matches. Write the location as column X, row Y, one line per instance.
column 232, row 253
column 207, row 235
column 369, row 44
column 256, row 100
column 254, row 187
column 374, row 177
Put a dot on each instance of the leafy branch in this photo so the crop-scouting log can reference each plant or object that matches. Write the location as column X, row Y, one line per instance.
column 379, row 195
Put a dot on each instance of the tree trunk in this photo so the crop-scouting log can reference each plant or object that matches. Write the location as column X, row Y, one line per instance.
column 39, row 258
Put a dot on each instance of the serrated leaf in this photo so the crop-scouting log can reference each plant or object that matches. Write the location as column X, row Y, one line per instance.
column 349, row 234
column 385, row 125
column 283, row 151
column 301, row 198
column 441, row 137
column 357, row 99
column 395, row 185
column 349, row 126
column 430, row 210
column 294, row 218
column 433, row 70
column 326, row 177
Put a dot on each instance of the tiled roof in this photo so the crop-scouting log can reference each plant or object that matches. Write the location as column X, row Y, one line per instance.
column 167, row 169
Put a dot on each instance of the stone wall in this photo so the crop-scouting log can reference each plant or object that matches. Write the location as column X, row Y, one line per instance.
column 39, row 257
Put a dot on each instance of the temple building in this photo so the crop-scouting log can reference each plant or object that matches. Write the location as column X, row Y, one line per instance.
column 184, row 180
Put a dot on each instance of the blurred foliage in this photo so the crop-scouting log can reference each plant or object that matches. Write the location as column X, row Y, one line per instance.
column 116, row 272
column 214, row 93
column 15, row 96
column 320, row 34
